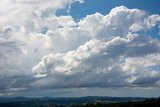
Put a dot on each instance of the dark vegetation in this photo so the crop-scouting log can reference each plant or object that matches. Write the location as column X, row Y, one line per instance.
column 145, row 103
column 80, row 102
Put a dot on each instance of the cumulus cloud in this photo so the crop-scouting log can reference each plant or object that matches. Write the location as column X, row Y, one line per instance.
column 49, row 51
column 111, row 58
column 106, row 55
column 21, row 37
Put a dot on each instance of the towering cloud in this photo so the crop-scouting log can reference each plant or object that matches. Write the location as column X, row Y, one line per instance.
column 41, row 50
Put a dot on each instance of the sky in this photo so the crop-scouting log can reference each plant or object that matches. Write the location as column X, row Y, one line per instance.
column 74, row 48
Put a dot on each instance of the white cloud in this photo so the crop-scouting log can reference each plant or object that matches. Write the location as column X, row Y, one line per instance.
column 61, row 21
column 30, row 12
column 146, row 24
column 98, row 51
column 21, row 42
column 116, row 23
column 136, row 64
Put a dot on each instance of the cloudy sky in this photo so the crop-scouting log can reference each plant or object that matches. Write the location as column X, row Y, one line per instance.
column 70, row 48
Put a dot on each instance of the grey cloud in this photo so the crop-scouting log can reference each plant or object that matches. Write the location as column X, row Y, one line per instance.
column 145, row 81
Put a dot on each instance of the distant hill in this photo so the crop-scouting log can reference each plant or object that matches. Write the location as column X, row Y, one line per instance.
column 59, row 102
